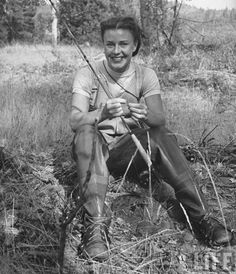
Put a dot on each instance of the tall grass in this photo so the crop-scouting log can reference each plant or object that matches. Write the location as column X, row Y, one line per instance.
column 35, row 91
column 191, row 112
column 35, row 88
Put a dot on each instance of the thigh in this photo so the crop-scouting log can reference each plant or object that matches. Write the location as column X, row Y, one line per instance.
column 122, row 153
column 90, row 152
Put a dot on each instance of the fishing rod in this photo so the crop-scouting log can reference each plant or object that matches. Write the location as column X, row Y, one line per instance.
column 139, row 146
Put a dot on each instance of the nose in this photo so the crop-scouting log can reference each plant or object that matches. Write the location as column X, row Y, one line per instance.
column 117, row 49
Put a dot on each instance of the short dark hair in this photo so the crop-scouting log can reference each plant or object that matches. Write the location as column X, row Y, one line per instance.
column 123, row 22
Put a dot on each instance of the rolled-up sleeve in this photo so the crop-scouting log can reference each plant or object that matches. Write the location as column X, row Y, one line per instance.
column 151, row 85
column 83, row 82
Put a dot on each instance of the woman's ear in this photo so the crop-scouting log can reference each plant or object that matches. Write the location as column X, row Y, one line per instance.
column 135, row 46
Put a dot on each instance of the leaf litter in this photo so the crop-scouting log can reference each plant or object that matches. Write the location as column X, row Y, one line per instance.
column 38, row 194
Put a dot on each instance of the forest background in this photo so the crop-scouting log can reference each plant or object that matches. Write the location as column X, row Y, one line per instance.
column 188, row 47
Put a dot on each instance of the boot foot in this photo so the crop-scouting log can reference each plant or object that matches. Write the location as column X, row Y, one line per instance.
column 95, row 239
column 213, row 232
column 175, row 211
column 97, row 252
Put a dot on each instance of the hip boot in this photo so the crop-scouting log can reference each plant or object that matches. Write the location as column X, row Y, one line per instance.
column 173, row 167
column 170, row 163
column 90, row 152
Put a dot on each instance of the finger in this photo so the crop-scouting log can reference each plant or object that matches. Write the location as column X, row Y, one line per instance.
column 115, row 110
column 135, row 105
column 117, row 100
column 139, row 116
column 118, row 114
column 138, row 110
column 114, row 106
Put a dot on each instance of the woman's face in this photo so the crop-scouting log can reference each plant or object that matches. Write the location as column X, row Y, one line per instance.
column 118, row 45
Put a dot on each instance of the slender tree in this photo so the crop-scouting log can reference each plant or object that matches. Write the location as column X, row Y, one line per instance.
column 160, row 22
column 145, row 10
column 55, row 23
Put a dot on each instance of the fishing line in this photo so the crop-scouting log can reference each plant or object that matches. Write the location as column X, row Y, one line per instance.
column 142, row 151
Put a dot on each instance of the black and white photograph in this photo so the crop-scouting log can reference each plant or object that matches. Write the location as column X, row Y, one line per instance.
column 117, row 136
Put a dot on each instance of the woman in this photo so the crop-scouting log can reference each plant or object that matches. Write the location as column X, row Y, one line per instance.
column 102, row 143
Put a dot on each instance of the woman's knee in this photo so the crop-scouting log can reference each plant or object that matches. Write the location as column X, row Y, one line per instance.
column 83, row 140
column 85, row 129
column 84, row 134
column 161, row 132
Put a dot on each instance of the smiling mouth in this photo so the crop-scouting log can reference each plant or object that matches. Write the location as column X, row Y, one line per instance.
column 117, row 59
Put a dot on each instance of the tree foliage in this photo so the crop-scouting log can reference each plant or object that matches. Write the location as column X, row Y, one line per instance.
column 30, row 20
column 42, row 23
column 17, row 20
column 83, row 18
column 161, row 24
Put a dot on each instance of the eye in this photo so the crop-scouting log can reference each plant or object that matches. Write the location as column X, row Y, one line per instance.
column 124, row 43
column 109, row 44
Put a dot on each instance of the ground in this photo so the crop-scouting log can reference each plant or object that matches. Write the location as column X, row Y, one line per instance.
column 37, row 174
column 146, row 238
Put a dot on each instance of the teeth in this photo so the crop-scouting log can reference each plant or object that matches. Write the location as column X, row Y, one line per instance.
column 117, row 58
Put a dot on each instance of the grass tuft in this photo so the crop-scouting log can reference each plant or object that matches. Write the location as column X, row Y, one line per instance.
column 36, row 169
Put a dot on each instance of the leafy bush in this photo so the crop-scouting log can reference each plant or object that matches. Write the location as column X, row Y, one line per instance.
column 83, row 18
column 42, row 21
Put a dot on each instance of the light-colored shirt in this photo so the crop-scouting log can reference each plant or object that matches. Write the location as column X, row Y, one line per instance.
column 85, row 84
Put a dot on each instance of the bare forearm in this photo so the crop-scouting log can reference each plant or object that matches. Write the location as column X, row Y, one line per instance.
column 152, row 115
column 155, row 119
column 155, row 111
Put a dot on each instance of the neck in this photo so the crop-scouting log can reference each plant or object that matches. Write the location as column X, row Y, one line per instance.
column 129, row 69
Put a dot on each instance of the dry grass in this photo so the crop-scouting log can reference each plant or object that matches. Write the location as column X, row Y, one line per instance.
column 36, row 85
column 34, row 205
column 35, row 88
column 191, row 112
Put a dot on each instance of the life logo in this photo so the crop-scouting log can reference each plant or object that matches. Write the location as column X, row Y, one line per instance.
column 224, row 260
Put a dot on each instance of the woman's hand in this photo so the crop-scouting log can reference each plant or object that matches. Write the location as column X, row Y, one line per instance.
column 113, row 108
column 138, row 111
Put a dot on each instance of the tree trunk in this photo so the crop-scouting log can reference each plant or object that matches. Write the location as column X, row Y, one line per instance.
column 145, row 24
column 54, row 28
column 137, row 10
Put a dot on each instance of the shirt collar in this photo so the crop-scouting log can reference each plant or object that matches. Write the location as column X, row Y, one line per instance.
column 116, row 75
